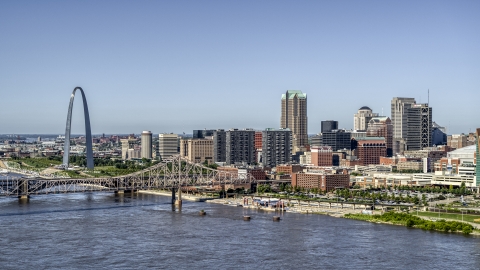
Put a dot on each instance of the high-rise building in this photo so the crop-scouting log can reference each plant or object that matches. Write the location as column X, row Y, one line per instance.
column 419, row 127
column 197, row 150
column 167, row 145
column 146, row 144
column 329, row 125
column 240, row 146
column 362, row 117
column 399, row 113
column 382, row 127
column 276, row 147
column 294, row 117
column 412, row 123
column 219, row 145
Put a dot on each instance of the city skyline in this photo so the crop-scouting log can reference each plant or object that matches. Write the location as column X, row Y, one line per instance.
column 223, row 63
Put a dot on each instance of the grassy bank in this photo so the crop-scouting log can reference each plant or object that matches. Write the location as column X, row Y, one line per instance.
column 415, row 222
column 468, row 218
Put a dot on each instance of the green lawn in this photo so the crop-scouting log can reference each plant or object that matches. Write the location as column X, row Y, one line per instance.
column 458, row 216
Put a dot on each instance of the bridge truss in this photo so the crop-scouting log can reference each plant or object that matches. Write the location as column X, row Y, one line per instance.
column 170, row 174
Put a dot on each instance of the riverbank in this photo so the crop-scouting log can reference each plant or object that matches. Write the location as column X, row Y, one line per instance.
column 306, row 207
column 293, row 206
column 412, row 221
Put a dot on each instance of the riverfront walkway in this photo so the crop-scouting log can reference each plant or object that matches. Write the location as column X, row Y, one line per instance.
column 336, row 209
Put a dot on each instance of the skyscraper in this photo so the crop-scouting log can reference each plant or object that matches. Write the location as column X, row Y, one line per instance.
column 147, row 144
column 419, row 123
column 399, row 112
column 362, row 117
column 294, row 117
column 412, row 123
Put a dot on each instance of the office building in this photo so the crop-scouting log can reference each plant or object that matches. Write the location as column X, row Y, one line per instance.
column 329, row 125
column 240, row 146
column 294, row 117
column 439, row 134
column 412, row 124
column 316, row 140
column 127, row 144
column 197, row 150
column 458, row 141
column 338, row 139
column 167, row 145
column 419, row 127
column 399, row 112
column 362, row 117
column 382, row 127
column 369, row 150
column 321, row 181
column 322, row 156
column 276, row 147
column 146, row 144
column 306, row 158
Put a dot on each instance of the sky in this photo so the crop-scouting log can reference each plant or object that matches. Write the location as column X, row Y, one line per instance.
column 176, row 66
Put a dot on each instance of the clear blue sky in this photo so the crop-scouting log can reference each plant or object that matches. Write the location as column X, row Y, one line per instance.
column 175, row 66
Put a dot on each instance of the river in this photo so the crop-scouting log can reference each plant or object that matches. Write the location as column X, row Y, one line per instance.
column 104, row 230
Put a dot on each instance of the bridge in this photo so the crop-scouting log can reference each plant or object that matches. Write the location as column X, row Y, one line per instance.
column 174, row 174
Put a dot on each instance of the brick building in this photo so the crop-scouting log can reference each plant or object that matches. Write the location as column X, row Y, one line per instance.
column 382, row 127
column 289, row 169
column 258, row 146
column 324, row 182
column 322, row 156
column 370, row 149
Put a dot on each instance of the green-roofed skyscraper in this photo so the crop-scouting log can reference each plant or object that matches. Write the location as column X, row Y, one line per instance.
column 294, row 117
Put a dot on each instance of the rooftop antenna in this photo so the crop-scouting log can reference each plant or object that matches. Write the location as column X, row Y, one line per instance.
column 428, row 99
column 382, row 112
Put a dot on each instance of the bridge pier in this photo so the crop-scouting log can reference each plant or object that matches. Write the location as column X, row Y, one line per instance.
column 178, row 202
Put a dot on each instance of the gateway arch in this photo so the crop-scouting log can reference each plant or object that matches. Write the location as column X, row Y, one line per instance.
column 88, row 132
